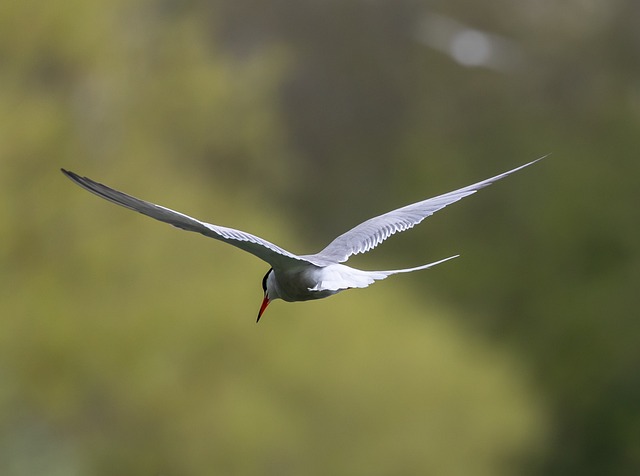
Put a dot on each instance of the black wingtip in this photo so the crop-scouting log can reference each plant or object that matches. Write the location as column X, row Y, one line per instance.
column 69, row 174
column 79, row 180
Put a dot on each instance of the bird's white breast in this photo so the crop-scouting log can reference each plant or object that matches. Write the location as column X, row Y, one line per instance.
column 313, row 282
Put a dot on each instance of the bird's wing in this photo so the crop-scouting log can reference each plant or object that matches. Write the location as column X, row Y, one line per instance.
column 374, row 231
column 272, row 254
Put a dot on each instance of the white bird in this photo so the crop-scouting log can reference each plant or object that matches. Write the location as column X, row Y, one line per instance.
column 303, row 277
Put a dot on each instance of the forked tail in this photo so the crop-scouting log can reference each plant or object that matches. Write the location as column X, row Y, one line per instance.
column 337, row 277
column 408, row 270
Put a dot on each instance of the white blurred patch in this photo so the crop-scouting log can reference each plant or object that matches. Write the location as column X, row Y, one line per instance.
column 468, row 46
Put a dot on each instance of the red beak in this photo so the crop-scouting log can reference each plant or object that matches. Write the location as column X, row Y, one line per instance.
column 265, row 303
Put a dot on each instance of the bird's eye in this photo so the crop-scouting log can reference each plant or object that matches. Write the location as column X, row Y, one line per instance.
column 264, row 280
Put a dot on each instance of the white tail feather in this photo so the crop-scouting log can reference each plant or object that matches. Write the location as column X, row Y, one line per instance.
column 337, row 277
column 417, row 268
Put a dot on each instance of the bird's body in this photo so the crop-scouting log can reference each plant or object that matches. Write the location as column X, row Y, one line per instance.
column 295, row 283
column 304, row 277
column 307, row 282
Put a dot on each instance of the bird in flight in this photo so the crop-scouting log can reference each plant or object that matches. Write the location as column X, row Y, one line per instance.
column 304, row 277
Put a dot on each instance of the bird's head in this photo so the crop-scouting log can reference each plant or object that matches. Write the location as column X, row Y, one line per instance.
column 270, row 293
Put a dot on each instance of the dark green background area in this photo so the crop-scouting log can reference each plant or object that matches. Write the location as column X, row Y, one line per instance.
column 129, row 347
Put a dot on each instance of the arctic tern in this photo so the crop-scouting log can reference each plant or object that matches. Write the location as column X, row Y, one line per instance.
column 295, row 277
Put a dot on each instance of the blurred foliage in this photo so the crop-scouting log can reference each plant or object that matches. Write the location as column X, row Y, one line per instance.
column 123, row 351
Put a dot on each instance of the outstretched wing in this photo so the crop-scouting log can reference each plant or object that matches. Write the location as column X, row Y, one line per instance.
column 374, row 231
column 272, row 254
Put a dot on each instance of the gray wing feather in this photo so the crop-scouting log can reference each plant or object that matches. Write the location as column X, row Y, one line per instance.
column 374, row 231
column 272, row 254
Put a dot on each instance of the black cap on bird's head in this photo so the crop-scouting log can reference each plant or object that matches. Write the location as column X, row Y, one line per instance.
column 266, row 300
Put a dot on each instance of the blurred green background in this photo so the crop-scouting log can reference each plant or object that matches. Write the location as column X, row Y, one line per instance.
column 128, row 347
